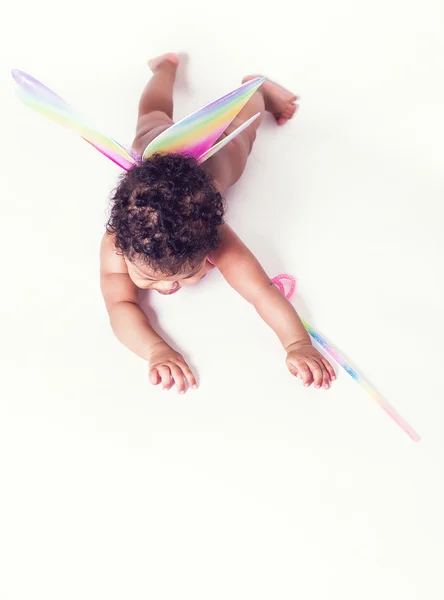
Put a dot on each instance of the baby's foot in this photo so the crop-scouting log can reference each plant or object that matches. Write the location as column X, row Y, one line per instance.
column 278, row 101
column 170, row 58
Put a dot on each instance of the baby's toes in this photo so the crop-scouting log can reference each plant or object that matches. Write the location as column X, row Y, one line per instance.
column 290, row 111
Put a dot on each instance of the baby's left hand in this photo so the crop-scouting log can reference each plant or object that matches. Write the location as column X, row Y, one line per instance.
column 305, row 362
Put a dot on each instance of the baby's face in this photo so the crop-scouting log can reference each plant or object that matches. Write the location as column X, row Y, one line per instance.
column 146, row 279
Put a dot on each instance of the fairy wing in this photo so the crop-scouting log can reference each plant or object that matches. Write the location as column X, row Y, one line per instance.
column 224, row 141
column 195, row 135
column 36, row 95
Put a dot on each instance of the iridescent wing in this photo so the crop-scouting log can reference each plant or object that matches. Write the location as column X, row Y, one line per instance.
column 223, row 142
column 195, row 135
column 45, row 101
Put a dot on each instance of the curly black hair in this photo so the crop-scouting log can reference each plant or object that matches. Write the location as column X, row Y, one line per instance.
column 166, row 212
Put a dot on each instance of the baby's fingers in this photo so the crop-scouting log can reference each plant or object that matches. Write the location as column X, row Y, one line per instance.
column 178, row 377
column 329, row 369
column 325, row 378
column 316, row 372
column 165, row 375
column 301, row 370
column 189, row 375
column 154, row 376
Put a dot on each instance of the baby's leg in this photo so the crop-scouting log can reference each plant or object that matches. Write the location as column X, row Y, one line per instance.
column 228, row 165
column 156, row 102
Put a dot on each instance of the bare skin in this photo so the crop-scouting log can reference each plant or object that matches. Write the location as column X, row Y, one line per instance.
column 120, row 278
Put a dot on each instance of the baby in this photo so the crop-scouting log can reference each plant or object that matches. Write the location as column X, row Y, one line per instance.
column 166, row 230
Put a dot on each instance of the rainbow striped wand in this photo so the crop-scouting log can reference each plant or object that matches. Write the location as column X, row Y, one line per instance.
column 317, row 337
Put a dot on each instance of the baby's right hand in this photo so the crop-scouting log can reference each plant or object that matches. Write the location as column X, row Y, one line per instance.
column 169, row 367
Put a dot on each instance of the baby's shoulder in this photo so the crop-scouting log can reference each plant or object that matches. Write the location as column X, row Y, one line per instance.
column 110, row 260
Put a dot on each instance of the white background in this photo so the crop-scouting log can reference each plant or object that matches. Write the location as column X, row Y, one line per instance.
column 252, row 487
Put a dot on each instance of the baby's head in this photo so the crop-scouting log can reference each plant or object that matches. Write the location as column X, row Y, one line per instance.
column 165, row 219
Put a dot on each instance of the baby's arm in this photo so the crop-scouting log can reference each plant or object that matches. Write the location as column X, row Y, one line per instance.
column 131, row 325
column 244, row 273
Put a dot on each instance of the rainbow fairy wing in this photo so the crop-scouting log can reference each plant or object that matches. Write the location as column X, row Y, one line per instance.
column 224, row 141
column 195, row 135
column 36, row 95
